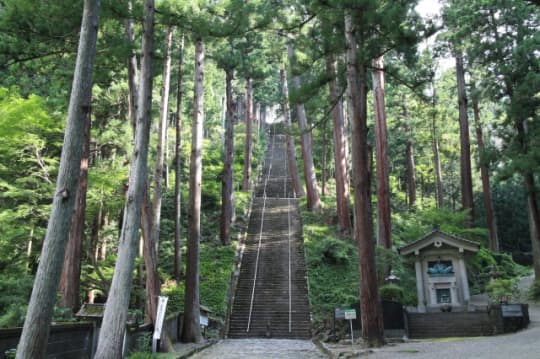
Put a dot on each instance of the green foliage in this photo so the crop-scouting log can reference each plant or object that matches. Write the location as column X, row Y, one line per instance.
column 503, row 290
column 143, row 355
column 392, row 292
column 332, row 266
column 30, row 140
column 534, row 291
column 486, row 265
column 13, row 301
column 411, row 226
column 215, row 272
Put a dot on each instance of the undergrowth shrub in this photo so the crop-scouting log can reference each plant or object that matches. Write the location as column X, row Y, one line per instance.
column 534, row 291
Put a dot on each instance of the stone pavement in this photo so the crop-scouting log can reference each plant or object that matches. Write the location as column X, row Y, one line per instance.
column 261, row 349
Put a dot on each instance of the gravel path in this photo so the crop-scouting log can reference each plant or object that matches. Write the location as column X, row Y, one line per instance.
column 261, row 349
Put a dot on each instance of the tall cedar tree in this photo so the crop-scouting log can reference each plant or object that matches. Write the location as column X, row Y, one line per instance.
column 191, row 328
column 409, row 156
column 384, row 225
column 70, row 280
column 111, row 335
column 306, row 141
column 291, row 148
column 227, row 189
column 178, row 167
column 340, row 158
column 151, row 212
column 35, row 333
column 249, row 134
column 493, row 239
column 465, row 145
column 371, row 310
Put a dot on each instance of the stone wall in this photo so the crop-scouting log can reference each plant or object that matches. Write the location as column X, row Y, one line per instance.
column 464, row 324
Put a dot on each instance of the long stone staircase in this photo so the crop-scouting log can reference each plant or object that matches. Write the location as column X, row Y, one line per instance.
column 271, row 298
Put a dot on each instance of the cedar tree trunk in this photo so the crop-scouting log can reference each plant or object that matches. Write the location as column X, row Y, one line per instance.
column 227, row 191
column 313, row 200
column 192, row 329
column 178, row 168
column 249, row 134
column 371, row 310
column 291, row 148
column 465, row 159
column 111, row 335
column 384, row 224
column 340, row 156
column 486, row 187
column 71, row 272
column 35, row 333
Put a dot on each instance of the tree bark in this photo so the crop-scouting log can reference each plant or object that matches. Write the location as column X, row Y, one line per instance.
column 384, row 232
column 409, row 158
column 486, row 187
column 465, row 158
column 340, row 156
column 178, row 168
column 324, row 174
column 192, row 330
column 227, row 191
column 35, row 333
column 291, row 148
column 371, row 310
column 436, row 158
column 71, row 272
column 532, row 201
column 132, row 70
column 150, row 258
column 312, row 191
column 249, row 134
column 151, row 216
column 114, row 321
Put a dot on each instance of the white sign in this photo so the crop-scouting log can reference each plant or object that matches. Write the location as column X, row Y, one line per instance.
column 203, row 320
column 350, row 313
column 160, row 317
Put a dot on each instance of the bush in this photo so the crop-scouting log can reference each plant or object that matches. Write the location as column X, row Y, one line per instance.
column 502, row 290
column 534, row 291
column 392, row 292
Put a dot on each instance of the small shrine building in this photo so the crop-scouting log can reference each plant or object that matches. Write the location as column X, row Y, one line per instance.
column 441, row 274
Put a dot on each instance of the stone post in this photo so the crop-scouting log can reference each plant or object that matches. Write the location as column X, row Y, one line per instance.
column 464, row 281
column 420, row 285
